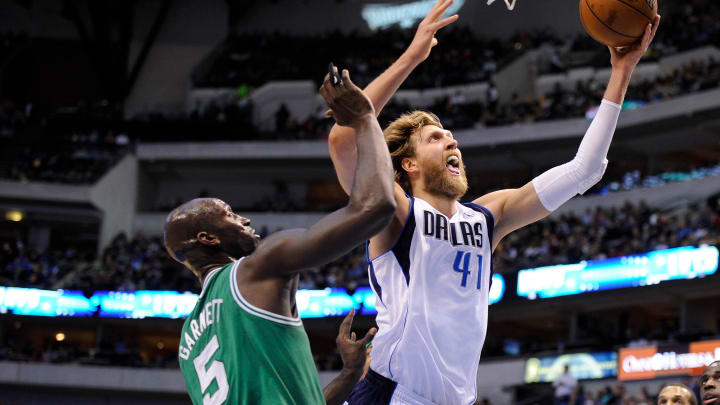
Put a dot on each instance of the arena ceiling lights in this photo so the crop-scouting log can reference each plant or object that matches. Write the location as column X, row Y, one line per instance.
column 406, row 15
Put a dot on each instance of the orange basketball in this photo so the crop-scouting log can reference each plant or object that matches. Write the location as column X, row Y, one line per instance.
column 617, row 22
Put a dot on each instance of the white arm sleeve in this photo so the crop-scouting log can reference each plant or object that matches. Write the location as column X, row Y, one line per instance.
column 561, row 183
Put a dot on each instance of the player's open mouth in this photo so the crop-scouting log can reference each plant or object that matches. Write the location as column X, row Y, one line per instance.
column 453, row 165
column 709, row 399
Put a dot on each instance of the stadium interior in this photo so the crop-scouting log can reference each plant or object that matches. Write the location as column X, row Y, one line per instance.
column 113, row 113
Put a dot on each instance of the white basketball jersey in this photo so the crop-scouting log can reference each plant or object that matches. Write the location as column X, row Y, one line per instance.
column 432, row 292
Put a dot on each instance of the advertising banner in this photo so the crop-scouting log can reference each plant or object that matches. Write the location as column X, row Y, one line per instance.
column 641, row 363
column 582, row 366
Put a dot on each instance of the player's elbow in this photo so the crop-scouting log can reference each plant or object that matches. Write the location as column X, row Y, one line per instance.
column 382, row 209
column 376, row 210
column 379, row 220
column 588, row 172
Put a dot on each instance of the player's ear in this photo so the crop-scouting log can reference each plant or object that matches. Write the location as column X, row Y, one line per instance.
column 409, row 165
column 207, row 238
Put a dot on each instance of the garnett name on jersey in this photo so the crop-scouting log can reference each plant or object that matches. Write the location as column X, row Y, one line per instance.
column 209, row 315
column 457, row 234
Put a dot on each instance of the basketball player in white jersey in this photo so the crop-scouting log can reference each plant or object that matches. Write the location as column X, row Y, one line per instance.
column 431, row 267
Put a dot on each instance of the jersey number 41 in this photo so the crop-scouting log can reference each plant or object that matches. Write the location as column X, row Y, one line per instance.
column 462, row 265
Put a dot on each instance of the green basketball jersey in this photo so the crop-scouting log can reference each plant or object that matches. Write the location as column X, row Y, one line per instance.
column 232, row 352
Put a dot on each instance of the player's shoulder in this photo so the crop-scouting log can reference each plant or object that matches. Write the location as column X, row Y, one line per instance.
column 495, row 201
column 471, row 207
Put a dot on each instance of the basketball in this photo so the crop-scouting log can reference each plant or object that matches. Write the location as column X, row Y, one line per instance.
column 617, row 22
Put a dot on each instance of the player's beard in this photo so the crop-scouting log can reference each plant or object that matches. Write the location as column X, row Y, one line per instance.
column 439, row 182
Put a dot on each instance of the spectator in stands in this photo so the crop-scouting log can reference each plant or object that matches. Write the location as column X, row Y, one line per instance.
column 565, row 384
column 676, row 394
column 578, row 396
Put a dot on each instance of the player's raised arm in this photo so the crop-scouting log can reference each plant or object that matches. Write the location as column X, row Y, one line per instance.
column 342, row 139
column 371, row 204
column 515, row 208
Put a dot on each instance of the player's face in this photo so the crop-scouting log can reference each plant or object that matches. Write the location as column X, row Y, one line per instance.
column 237, row 238
column 674, row 396
column 440, row 162
column 710, row 385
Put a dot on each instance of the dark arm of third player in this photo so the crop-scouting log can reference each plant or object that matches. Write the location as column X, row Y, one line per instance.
column 356, row 359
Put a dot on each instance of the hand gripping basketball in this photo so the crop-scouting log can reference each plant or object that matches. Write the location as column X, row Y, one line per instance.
column 347, row 102
column 628, row 57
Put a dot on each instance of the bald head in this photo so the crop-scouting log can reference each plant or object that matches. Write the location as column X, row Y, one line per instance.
column 205, row 230
column 676, row 394
column 184, row 223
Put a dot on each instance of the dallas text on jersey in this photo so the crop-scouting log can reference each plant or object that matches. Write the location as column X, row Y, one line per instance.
column 209, row 315
column 436, row 225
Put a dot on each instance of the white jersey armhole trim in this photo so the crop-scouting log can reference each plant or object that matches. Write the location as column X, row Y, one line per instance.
column 253, row 310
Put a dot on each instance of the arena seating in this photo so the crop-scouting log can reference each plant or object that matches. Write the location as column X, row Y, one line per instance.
column 142, row 263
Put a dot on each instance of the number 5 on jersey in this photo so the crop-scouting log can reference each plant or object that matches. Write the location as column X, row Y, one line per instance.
column 462, row 265
column 216, row 372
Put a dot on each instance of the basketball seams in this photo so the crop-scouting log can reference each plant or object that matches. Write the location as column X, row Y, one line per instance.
column 636, row 9
column 604, row 24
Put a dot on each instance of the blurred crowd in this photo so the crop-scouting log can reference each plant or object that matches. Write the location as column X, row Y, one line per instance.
column 36, row 147
column 603, row 233
column 138, row 264
column 125, row 265
column 562, row 102
column 142, row 263
column 73, row 144
column 617, row 394
column 249, row 60
column 48, row 148
column 254, row 59
column 687, row 25
column 111, row 350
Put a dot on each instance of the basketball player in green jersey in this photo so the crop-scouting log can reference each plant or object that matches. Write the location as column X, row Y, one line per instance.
column 244, row 343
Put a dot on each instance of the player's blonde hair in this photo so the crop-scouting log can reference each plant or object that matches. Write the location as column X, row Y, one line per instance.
column 398, row 138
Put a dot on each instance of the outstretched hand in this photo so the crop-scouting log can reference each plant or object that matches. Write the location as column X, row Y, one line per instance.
column 354, row 353
column 424, row 39
column 628, row 57
column 347, row 102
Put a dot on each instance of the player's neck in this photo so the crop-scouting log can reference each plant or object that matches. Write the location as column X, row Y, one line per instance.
column 442, row 203
column 205, row 269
